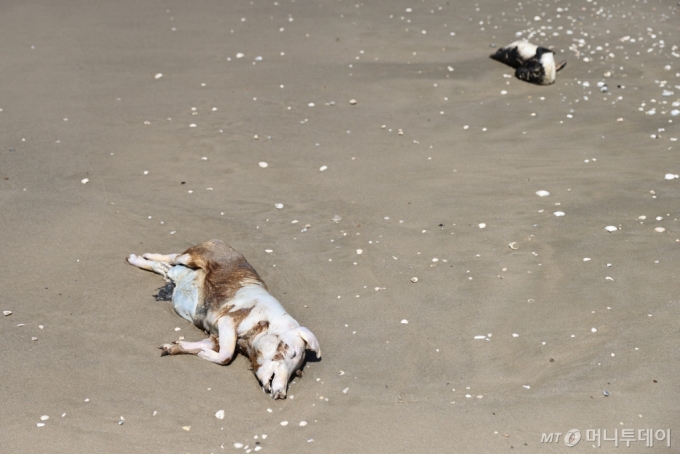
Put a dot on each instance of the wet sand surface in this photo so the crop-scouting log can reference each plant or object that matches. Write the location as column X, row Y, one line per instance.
column 423, row 140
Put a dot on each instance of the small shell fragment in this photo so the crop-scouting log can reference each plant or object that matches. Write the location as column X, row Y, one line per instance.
column 41, row 424
column 659, row 229
column 84, row 180
column 671, row 176
column 360, row 251
column 352, row 101
column 480, row 337
column 238, row 445
column 559, row 213
column 482, row 225
column 303, row 423
column 263, row 164
column 278, row 206
column 219, row 414
column 542, row 193
column 44, row 418
column 6, row 313
column 404, row 322
column 336, row 218
column 611, row 228
column 513, row 245
column 414, row 279
column 322, row 168
column 284, row 423
column 158, row 76
column 187, row 428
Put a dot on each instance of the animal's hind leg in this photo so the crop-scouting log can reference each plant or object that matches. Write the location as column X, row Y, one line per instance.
column 161, row 268
column 191, row 348
column 170, row 258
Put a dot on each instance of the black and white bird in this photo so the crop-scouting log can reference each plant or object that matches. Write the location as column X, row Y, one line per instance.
column 532, row 63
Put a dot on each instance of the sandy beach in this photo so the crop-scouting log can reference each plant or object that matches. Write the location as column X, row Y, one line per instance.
column 457, row 309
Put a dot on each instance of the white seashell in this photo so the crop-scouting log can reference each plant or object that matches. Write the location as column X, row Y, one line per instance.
column 586, row 259
column 239, row 55
column 303, row 423
column 352, row 101
column 559, row 213
column 344, row 391
column 542, row 193
column 268, row 251
column 593, row 330
column 336, row 218
column 404, row 322
column 482, row 225
column 158, row 76
column 322, row 168
column 671, row 176
column 513, row 245
column 360, row 251
column 84, row 180
column 44, row 418
column 278, row 206
column 284, row 423
column 263, row 164
column 659, row 229
column 515, row 335
column 219, row 414
column 238, row 445
column 41, row 424
column 6, row 313
column 610, row 228
column 526, row 386
column 479, row 337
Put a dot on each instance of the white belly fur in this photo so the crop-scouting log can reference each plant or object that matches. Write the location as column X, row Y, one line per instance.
column 185, row 295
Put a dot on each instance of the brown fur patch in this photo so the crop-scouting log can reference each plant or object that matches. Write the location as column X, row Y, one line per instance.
column 245, row 343
column 225, row 271
column 280, row 351
column 237, row 316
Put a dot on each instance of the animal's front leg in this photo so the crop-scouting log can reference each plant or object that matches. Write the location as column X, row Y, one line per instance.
column 280, row 381
column 227, row 341
column 192, row 348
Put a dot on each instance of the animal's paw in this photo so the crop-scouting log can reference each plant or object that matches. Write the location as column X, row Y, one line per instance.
column 278, row 395
column 169, row 349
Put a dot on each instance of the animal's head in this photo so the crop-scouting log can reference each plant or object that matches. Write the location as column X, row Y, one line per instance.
column 280, row 356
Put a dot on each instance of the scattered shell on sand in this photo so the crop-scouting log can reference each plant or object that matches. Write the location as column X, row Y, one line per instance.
column 158, row 76
column 6, row 313
column 84, row 180
column 671, row 176
column 659, row 229
column 187, row 428
column 404, row 322
column 263, row 164
column 480, row 337
column 219, row 414
column 238, row 445
column 559, row 213
column 513, row 245
column 41, row 424
column 542, row 193
column 482, row 225
column 303, row 423
column 336, row 218
column 611, row 228
column 44, row 418
column 360, row 251
column 322, row 168
column 278, row 206
column 414, row 279
column 284, row 423
column 352, row 101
